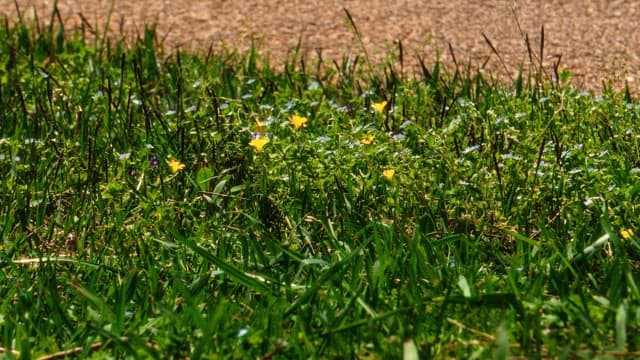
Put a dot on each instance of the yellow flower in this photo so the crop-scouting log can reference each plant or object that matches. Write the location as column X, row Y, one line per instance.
column 367, row 139
column 388, row 174
column 259, row 143
column 626, row 234
column 298, row 121
column 175, row 165
column 260, row 127
column 379, row 107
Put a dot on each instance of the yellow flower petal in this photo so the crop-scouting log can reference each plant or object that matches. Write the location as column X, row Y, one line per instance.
column 260, row 127
column 388, row 174
column 379, row 107
column 626, row 234
column 259, row 143
column 298, row 121
column 175, row 165
column 367, row 139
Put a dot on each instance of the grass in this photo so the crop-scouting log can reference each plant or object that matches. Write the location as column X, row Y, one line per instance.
column 156, row 204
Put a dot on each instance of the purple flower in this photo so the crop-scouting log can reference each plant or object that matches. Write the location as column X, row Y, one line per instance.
column 133, row 172
column 153, row 161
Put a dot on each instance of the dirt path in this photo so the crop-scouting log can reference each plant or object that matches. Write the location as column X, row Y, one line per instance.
column 597, row 39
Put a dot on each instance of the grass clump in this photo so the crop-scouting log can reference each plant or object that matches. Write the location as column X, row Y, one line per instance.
column 206, row 205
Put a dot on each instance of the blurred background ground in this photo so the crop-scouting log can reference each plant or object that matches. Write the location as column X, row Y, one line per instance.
column 597, row 40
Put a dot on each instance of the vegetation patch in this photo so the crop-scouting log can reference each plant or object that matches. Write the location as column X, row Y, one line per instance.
column 206, row 205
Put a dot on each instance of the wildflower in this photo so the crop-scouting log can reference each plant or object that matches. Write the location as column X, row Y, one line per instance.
column 298, row 121
column 243, row 331
column 626, row 234
column 379, row 106
column 259, row 143
column 124, row 156
column 323, row 139
column 153, row 161
column 259, row 127
column 405, row 124
column 175, row 165
column 470, row 149
column 367, row 139
column 388, row 174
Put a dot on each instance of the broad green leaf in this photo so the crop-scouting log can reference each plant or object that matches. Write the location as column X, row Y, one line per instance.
column 203, row 177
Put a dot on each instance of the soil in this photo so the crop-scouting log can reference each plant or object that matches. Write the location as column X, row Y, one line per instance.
column 596, row 40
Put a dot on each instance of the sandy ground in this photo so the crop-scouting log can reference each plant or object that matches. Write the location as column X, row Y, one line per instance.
column 595, row 40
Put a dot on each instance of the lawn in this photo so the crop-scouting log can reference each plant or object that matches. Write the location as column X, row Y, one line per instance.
column 156, row 203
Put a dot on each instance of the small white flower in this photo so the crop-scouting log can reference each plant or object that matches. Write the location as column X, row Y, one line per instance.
column 471, row 149
column 243, row 331
column 510, row 156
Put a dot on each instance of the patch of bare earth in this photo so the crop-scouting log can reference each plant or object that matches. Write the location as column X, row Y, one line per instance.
column 596, row 40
